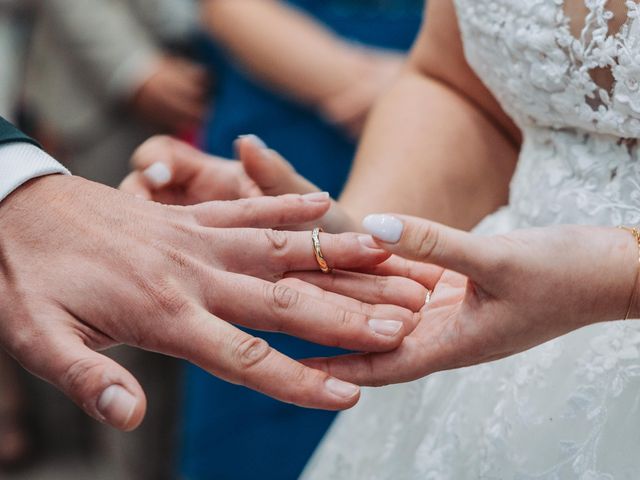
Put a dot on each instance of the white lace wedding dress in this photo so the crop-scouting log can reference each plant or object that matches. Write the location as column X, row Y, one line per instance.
column 570, row 408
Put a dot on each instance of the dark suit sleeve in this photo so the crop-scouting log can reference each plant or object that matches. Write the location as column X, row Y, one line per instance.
column 10, row 134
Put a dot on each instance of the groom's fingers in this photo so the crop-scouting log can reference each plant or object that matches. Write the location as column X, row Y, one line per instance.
column 370, row 289
column 263, row 305
column 374, row 309
column 101, row 387
column 262, row 212
column 429, row 242
column 237, row 357
column 425, row 274
column 269, row 254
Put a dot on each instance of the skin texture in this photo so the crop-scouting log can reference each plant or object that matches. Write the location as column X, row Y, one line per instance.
column 317, row 68
column 84, row 267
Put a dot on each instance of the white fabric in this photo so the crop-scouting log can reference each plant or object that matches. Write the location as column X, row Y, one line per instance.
column 569, row 409
column 20, row 162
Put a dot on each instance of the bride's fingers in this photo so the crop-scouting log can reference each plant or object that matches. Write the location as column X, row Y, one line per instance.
column 429, row 242
column 240, row 358
column 271, row 172
column 269, row 253
column 263, row 305
column 374, row 369
column 370, row 289
column 425, row 274
column 262, row 212
column 275, row 176
column 164, row 160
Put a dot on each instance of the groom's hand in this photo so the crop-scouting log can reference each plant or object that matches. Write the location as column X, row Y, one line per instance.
column 84, row 267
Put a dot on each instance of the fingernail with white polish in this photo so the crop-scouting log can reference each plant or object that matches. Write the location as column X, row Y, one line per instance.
column 117, row 405
column 316, row 197
column 384, row 227
column 256, row 140
column 369, row 243
column 388, row 328
column 340, row 388
column 158, row 174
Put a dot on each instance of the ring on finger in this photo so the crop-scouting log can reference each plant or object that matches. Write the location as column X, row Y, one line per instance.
column 317, row 251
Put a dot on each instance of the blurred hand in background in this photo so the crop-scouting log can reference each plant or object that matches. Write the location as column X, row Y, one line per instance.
column 174, row 98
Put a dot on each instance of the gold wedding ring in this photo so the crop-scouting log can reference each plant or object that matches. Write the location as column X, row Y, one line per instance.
column 317, row 251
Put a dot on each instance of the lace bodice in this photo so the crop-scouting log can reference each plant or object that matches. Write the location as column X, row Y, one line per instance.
column 543, row 74
column 575, row 93
column 570, row 408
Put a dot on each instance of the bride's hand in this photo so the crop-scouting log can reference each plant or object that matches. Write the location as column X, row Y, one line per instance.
column 169, row 171
column 493, row 296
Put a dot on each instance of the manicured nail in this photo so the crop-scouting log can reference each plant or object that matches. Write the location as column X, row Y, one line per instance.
column 388, row 328
column 117, row 405
column 369, row 243
column 341, row 389
column 158, row 174
column 316, row 197
column 256, row 140
column 384, row 227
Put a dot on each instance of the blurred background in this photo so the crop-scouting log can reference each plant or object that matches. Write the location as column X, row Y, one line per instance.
column 91, row 80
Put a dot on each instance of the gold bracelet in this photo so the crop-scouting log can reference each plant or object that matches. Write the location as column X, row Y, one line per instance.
column 636, row 234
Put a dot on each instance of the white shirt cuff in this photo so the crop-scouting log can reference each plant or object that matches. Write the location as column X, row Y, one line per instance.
column 20, row 162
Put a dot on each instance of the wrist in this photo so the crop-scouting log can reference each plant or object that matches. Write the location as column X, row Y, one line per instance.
column 622, row 256
column 21, row 162
column 633, row 309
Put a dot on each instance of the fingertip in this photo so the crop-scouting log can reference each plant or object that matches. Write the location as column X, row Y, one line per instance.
column 346, row 393
column 121, row 408
column 386, row 228
column 158, row 174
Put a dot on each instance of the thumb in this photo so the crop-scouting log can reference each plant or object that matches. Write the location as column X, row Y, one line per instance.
column 271, row 172
column 429, row 242
column 97, row 384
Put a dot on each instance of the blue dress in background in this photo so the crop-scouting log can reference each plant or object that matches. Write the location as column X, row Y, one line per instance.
column 229, row 432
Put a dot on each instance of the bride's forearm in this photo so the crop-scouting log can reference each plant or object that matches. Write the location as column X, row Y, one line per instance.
column 438, row 144
column 427, row 152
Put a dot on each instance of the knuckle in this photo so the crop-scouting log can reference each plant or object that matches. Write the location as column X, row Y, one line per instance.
column 381, row 285
column 427, row 241
column 177, row 257
column 78, row 376
column 169, row 300
column 250, row 352
column 21, row 344
column 283, row 297
column 277, row 241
